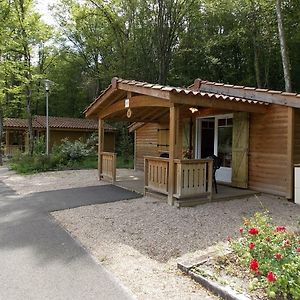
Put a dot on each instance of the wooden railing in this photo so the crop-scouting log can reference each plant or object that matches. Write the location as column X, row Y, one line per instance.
column 108, row 166
column 12, row 150
column 156, row 174
column 193, row 178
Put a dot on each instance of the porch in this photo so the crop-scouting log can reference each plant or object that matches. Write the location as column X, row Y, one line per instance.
column 135, row 181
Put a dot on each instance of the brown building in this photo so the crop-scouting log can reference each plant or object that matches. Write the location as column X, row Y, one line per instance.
column 252, row 131
column 15, row 132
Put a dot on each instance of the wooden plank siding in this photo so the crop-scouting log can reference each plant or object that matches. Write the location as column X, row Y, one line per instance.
column 146, row 140
column 268, row 151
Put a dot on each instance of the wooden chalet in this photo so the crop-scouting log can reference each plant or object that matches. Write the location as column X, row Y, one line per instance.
column 15, row 138
column 253, row 132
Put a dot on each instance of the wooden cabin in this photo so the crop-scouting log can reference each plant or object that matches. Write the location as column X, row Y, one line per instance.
column 252, row 131
column 15, row 137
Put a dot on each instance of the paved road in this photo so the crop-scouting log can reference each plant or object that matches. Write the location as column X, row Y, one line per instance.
column 39, row 260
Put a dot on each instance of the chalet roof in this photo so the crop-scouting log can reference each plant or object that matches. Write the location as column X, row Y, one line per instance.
column 250, row 93
column 39, row 122
column 163, row 91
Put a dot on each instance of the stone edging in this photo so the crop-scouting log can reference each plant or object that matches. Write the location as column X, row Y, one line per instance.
column 225, row 292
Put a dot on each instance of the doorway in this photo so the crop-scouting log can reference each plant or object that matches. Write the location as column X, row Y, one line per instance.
column 214, row 136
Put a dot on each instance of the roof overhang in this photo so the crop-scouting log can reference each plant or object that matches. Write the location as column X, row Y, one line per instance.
column 151, row 102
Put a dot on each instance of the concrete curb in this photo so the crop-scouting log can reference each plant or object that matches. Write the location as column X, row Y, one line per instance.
column 225, row 292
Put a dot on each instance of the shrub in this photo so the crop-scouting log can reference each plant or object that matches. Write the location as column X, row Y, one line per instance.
column 272, row 254
column 76, row 150
column 68, row 155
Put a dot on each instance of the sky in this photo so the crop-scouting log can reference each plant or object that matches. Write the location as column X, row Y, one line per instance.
column 42, row 8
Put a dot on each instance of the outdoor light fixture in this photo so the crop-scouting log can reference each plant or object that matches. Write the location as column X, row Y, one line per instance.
column 193, row 109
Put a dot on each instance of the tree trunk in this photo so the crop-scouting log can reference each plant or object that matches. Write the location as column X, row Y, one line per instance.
column 256, row 63
column 283, row 48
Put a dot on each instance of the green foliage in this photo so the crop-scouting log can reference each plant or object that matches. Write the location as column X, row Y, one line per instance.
column 123, row 163
column 68, row 155
column 272, row 254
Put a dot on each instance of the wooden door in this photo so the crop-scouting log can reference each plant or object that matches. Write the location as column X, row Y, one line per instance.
column 240, row 149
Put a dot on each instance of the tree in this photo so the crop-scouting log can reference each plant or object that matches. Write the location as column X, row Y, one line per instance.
column 25, row 32
column 283, row 48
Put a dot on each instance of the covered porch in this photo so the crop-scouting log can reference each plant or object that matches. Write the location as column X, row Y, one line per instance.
column 135, row 181
column 179, row 173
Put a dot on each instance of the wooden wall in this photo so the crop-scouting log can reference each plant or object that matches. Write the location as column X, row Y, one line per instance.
column 146, row 141
column 268, row 151
column 57, row 135
column 296, row 158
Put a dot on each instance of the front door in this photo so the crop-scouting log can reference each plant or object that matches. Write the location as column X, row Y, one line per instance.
column 214, row 136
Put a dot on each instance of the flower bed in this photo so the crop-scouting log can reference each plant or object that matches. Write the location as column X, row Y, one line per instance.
column 264, row 262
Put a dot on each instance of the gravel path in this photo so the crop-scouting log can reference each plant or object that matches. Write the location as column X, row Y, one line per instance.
column 48, row 181
column 140, row 240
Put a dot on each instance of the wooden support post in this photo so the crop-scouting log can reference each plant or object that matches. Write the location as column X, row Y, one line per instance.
column 173, row 149
column 100, row 145
column 290, row 153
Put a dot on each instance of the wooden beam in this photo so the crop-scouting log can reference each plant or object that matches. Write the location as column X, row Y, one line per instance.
column 218, row 103
column 7, row 138
column 273, row 97
column 144, row 90
column 100, row 145
column 174, row 119
column 134, row 102
column 99, row 101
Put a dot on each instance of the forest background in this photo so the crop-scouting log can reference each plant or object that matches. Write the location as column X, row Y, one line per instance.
column 243, row 42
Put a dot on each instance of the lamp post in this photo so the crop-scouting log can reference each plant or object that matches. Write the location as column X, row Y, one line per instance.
column 47, row 87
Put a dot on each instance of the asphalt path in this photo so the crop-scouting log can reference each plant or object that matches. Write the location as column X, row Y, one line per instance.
column 39, row 259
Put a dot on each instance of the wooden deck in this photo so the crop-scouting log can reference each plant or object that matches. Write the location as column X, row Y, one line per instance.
column 134, row 181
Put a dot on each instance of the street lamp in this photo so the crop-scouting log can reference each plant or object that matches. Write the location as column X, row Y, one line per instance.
column 47, row 88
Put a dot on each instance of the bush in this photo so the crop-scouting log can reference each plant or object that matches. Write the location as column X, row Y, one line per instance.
column 272, row 254
column 68, row 155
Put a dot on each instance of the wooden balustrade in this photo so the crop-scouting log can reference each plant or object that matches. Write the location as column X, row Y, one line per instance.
column 193, row 178
column 156, row 174
column 12, row 150
column 108, row 166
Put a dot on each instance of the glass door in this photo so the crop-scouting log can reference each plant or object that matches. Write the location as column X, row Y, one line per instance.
column 223, row 147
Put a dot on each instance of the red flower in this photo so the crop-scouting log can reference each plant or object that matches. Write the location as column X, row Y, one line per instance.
column 298, row 249
column 286, row 243
column 229, row 238
column 254, row 265
column 253, row 231
column 278, row 255
column 251, row 246
column 280, row 228
column 241, row 230
column 271, row 276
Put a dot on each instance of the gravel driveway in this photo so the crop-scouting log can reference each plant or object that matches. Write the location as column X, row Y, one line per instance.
column 140, row 240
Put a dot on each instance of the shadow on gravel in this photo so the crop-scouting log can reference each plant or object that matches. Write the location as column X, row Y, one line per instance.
column 25, row 222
